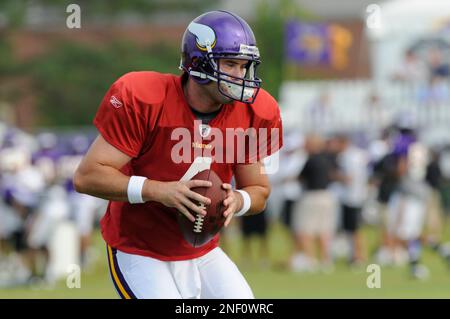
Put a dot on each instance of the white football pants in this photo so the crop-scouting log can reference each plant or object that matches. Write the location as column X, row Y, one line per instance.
column 211, row 276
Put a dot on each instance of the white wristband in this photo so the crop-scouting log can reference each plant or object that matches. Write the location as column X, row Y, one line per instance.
column 134, row 190
column 247, row 202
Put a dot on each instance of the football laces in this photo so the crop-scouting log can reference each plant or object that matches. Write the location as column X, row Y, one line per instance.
column 199, row 219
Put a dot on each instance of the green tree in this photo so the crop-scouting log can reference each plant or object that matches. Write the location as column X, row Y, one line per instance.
column 269, row 31
column 71, row 80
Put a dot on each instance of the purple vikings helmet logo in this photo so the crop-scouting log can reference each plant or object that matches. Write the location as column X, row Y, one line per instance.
column 221, row 35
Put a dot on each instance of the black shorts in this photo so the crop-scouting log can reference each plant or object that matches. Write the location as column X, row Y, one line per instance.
column 254, row 225
column 286, row 212
column 18, row 240
column 351, row 218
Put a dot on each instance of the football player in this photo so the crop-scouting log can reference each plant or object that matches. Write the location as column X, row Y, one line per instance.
column 137, row 162
column 407, row 205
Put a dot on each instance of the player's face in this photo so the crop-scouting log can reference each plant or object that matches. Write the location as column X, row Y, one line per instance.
column 233, row 67
column 236, row 68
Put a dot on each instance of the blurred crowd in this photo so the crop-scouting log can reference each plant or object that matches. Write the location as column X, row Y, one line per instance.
column 428, row 70
column 44, row 224
column 329, row 186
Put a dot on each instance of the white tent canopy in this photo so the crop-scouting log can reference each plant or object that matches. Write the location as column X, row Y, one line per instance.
column 402, row 23
column 411, row 17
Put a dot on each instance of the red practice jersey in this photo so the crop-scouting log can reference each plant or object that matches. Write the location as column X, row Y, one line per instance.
column 145, row 115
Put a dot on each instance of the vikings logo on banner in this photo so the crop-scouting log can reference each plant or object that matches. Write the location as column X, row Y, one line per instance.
column 318, row 44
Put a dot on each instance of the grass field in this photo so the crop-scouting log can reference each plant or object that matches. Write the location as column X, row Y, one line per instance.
column 275, row 281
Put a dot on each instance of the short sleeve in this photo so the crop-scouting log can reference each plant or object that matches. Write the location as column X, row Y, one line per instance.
column 269, row 138
column 120, row 120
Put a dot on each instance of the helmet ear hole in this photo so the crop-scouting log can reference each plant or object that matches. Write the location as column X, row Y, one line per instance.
column 199, row 63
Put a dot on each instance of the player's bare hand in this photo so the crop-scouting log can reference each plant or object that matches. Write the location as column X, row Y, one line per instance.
column 232, row 202
column 180, row 196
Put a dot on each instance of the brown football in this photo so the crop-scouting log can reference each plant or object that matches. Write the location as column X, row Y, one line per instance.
column 205, row 228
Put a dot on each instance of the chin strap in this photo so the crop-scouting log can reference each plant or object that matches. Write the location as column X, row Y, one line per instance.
column 202, row 75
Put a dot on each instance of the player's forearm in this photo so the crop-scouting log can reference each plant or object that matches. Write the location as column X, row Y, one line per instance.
column 111, row 184
column 104, row 181
column 258, row 196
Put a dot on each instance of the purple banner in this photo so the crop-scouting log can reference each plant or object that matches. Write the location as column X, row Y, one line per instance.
column 307, row 43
